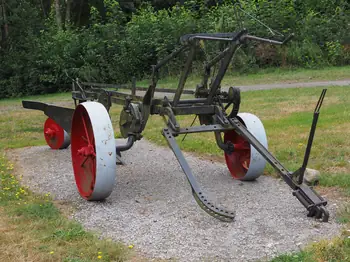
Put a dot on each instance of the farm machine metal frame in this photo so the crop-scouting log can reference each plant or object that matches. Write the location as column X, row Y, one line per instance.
column 241, row 136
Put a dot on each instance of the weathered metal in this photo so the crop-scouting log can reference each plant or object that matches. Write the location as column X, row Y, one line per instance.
column 210, row 104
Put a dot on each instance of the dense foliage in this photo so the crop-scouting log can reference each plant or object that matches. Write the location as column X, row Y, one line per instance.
column 43, row 46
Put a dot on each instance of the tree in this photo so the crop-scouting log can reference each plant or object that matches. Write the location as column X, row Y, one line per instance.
column 3, row 24
column 58, row 14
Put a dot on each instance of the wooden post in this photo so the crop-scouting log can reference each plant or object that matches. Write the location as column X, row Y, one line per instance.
column 133, row 86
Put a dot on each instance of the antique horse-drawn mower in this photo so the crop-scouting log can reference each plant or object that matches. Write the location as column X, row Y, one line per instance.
column 240, row 135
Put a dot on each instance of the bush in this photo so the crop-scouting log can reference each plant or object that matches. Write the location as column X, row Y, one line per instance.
column 112, row 50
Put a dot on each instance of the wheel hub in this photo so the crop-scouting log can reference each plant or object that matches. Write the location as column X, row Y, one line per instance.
column 87, row 151
column 50, row 133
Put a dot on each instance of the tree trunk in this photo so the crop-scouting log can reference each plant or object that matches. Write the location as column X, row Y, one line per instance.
column 58, row 14
column 68, row 11
column 80, row 11
column 43, row 8
column 4, row 27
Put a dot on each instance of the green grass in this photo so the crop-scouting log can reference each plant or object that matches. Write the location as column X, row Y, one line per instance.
column 265, row 76
column 335, row 250
column 341, row 180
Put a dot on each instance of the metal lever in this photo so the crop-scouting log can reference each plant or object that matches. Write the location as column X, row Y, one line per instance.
column 270, row 41
column 301, row 171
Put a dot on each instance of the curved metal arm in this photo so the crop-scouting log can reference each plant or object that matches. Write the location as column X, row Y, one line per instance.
column 127, row 146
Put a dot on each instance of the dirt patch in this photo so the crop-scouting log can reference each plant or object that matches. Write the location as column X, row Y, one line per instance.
column 15, row 246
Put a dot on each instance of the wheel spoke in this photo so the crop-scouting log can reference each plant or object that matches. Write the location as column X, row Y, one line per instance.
column 84, row 138
column 86, row 132
column 242, row 146
column 235, row 164
column 86, row 158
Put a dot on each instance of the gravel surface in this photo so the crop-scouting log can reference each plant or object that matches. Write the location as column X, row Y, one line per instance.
column 293, row 85
column 265, row 87
column 152, row 207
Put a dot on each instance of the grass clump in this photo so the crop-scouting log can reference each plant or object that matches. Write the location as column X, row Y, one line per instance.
column 335, row 250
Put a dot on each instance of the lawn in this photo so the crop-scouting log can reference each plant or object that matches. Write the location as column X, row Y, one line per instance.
column 286, row 113
column 265, row 76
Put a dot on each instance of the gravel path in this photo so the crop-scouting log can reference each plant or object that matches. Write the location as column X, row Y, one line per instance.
column 152, row 207
column 293, row 85
column 266, row 87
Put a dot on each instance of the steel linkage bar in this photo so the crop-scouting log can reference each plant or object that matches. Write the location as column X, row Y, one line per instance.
column 222, row 71
column 204, row 128
column 184, row 76
column 260, row 39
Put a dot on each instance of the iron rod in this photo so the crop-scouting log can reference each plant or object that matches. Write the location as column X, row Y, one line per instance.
column 260, row 39
column 222, row 70
column 311, row 136
column 170, row 56
column 184, row 76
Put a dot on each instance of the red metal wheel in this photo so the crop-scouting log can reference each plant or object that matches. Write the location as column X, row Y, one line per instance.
column 93, row 151
column 246, row 163
column 238, row 161
column 56, row 137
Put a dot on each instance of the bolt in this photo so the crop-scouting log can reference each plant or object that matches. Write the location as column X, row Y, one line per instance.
column 50, row 133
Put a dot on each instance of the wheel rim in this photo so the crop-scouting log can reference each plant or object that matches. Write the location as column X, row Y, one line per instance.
column 56, row 137
column 246, row 163
column 93, row 151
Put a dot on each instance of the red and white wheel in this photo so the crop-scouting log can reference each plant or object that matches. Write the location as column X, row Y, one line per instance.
column 246, row 163
column 56, row 137
column 93, row 151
